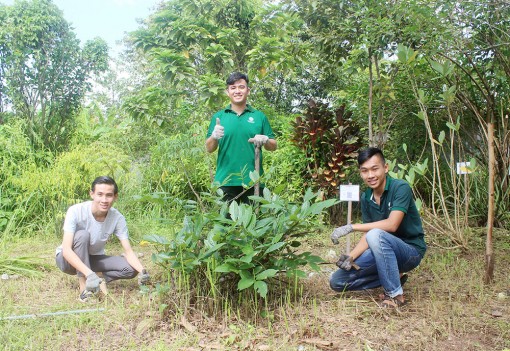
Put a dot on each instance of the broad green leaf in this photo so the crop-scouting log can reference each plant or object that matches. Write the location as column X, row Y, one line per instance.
column 437, row 67
column 418, row 204
column 261, row 288
column 245, row 283
column 412, row 55
column 246, row 274
column 421, row 96
column 234, row 211
column 248, row 258
column 309, row 195
column 247, row 250
column 225, row 268
column 452, row 126
column 211, row 251
column 315, row 259
column 254, row 176
column 441, row 137
column 402, row 53
column 318, row 207
column 268, row 273
column 154, row 238
column 247, row 216
column 275, row 247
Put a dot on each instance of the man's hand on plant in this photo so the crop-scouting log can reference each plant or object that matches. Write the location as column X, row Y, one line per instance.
column 144, row 277
column 339, row 232
column 92, row 282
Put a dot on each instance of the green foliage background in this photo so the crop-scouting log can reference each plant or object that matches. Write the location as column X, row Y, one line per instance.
column 422, row 80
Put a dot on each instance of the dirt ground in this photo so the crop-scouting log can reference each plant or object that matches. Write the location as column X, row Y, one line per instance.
column 449, row 308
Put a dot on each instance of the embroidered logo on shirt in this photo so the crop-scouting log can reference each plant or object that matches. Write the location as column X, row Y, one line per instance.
column 251, row 120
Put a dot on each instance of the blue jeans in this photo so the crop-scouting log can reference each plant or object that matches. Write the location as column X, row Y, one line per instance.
column 381, row 264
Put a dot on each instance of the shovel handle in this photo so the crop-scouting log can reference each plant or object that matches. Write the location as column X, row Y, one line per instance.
column 257, row 168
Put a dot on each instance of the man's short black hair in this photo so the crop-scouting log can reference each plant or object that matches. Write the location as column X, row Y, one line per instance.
column 370, row 152
column 105, row 180
column 234, row 77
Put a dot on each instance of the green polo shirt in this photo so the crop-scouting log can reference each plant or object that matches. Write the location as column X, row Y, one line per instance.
column 397, row 196
column 236, row 156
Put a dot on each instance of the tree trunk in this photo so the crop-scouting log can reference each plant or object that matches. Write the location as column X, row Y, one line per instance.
column 489, row 257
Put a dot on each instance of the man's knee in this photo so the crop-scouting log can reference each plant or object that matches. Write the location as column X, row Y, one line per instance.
column 374, row 236
column 337, row 283
column 63, row 265
column 126, row 272
column 130, row 272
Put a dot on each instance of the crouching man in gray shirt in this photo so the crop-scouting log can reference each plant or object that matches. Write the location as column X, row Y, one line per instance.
column 87, row 227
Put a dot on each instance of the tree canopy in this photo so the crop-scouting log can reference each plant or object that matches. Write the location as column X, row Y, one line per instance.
column 43, row 70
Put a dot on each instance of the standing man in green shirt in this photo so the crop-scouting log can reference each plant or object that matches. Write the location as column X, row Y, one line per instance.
column 393, row 242
column 230, row 131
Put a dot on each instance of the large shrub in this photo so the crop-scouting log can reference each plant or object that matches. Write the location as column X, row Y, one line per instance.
column 218, row 254
column 42, row 194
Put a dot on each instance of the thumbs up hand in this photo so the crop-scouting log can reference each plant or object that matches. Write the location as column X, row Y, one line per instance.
column 219, row 130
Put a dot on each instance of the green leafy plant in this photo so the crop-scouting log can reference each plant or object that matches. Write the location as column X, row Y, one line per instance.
column 246, row 250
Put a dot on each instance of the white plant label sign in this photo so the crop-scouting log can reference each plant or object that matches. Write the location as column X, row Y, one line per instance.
column 349, row 192
column 463, row 168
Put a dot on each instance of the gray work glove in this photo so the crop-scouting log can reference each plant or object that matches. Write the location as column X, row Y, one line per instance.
column 345, row 262
column 92, row 282
column 259, row 140
column 339, row 232
column 144, row 278
column 219, row 130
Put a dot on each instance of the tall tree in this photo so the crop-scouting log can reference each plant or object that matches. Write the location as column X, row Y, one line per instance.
column 44, row 71
column 190, row 47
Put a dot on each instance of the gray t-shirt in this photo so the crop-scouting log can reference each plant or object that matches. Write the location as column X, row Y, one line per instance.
column 79, row 217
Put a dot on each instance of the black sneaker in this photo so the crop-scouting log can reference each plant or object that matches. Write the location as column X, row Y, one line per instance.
column 85, row 295
column 403, row 279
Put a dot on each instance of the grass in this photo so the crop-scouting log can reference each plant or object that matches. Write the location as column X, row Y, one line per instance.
column 449, row 309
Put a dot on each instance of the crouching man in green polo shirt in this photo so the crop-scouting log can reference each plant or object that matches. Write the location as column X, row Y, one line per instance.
column 229, row 132
column 393, row 242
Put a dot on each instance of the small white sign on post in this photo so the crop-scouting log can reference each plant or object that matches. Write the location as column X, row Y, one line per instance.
column 349, row 192
column 463, row 168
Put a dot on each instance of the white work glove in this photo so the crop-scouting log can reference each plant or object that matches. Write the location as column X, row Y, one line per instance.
column 259, row 140
column 92, row 282
column 144, row 278
column 345, row 262
column 339, row 232
column 219, row 130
